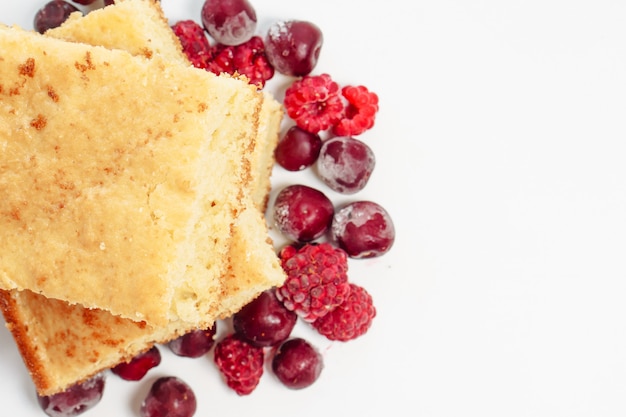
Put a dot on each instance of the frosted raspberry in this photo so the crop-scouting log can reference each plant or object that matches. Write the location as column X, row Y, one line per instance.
column 194, row 42
column 314, row 102
column 359, row 113
column 240, row 363
column 317, row 279
column 350, row 319
column 247, row 59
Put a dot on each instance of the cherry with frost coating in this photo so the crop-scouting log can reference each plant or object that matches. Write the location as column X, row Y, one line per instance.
column 293, row 47
column 345, row 164
column 363, row 229
column 302, row 213
column 229, row 22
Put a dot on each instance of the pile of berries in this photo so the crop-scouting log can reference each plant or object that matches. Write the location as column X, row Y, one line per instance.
column 326, row 119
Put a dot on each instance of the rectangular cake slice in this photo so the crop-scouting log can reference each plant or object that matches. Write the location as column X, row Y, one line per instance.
column 93, row 339
column 118, row 185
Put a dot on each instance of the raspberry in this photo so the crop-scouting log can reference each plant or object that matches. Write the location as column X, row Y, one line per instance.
column 359, row 113
column 247, row 59
column 240, row 363
column 349, row 320
column 138, row 367
column 317, row 279
column 314, row 102
column 194, row 42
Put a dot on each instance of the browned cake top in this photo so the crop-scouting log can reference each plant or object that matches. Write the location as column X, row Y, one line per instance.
column 105, row 177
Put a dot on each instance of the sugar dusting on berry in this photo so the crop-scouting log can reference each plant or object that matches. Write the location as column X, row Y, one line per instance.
column 345, row 164
column 363, row 229
column 277, row 30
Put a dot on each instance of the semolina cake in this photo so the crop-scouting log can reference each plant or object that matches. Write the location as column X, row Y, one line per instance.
column 141, row 28
column 62, row 343
column 137, row 221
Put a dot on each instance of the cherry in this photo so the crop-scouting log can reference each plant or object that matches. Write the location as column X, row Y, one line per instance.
column 345, row 164
column 298, row 149
column 169, row 397
column 195, row 343
column 52, row 15
column 293, row 47
column 363, row 229
column 264, row 321
column 75, row 400
column 229, row 22
column 297, row 364
column 302, row 213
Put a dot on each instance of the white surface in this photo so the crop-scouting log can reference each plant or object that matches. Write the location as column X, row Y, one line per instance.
column 500, row 158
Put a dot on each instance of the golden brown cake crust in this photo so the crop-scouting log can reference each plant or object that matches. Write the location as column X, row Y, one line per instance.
column 18, row 326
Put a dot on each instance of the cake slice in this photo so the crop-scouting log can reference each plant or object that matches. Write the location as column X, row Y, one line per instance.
column 134, row 26
column 62, row 344
column 141, row 28
column 118, row 191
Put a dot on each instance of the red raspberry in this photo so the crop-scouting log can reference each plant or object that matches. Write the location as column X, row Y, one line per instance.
column 317, row 279
column 138, row 367
column 194, row 42
column 359, row 113
column 314, row 103
column 247, row 59
column 349, row 320
column 240, row 363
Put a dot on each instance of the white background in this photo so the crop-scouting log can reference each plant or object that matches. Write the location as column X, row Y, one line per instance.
column 500, row 156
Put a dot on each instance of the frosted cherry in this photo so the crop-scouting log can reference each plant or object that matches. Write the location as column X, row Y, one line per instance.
column 293, row 47
column 302, row 213
column 345, row 164
column 229, row 22
column 363, row 229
